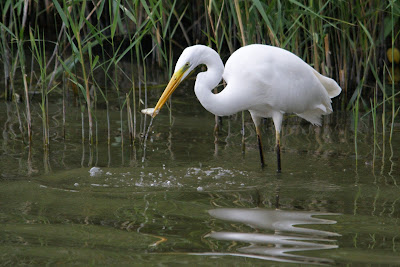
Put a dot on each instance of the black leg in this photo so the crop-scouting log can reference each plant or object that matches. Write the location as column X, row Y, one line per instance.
column 278, row 152
column 260, row 146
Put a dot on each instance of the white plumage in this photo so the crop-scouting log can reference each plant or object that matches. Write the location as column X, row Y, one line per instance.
column 268, row 81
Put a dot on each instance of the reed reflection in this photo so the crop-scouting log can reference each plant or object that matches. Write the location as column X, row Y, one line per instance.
column 287, row 236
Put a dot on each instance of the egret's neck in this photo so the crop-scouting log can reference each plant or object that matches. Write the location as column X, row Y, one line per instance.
column 208, row 80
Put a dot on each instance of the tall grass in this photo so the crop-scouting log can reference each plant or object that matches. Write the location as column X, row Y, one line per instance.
column 346, row 40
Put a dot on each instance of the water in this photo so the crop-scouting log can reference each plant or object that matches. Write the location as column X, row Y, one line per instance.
column 145, row 138
column 197, row 200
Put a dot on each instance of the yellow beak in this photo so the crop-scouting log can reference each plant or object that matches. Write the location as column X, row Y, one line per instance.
column 172, row 85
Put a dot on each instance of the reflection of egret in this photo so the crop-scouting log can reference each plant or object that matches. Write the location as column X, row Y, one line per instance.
column 266, row 80
column 285, row 221
column 288, row 234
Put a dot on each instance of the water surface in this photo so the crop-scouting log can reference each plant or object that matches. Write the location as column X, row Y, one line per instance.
column 193, row 199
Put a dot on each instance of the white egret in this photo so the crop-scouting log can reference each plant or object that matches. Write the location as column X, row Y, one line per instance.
column 265, row 80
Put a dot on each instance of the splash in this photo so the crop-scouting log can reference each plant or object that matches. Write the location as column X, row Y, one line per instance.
column 145, row 139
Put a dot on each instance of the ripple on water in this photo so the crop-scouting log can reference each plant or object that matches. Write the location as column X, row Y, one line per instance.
column 193, row 178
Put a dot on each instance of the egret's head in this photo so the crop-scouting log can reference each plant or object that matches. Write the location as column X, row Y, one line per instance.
column 188, row 60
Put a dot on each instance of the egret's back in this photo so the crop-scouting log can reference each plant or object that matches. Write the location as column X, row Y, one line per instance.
column 277, row 81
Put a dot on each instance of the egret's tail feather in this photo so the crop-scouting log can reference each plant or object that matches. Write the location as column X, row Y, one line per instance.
column 314, row 115
column 330, row 85
column 314, row 118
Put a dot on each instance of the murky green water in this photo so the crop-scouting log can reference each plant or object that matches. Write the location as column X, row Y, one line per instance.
column 191, row 200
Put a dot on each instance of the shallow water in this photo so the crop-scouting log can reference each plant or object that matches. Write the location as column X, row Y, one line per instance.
column 197, row 200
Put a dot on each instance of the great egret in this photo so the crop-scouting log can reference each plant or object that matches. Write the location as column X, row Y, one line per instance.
column 265, row 80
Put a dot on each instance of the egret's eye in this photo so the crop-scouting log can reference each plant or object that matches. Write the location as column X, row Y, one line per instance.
column 187, row 64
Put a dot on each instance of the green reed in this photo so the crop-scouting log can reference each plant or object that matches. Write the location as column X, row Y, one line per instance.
column 346, row 40
column 38, row 46
column 393, row 36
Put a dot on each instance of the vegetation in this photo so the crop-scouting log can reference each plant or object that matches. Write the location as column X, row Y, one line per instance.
column 346, row 40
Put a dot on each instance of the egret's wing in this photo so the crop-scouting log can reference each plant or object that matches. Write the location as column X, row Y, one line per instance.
column 275, row 78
